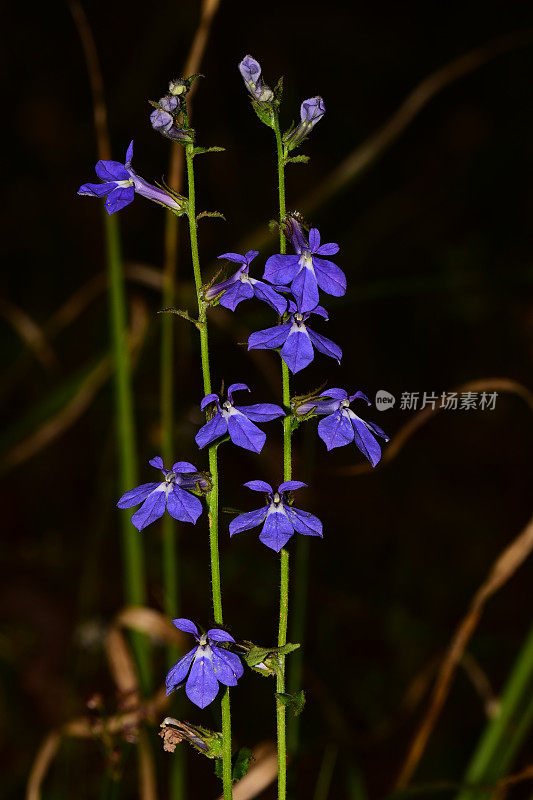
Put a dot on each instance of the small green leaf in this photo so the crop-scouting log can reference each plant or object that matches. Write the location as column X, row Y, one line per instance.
column 200, row 150
column 215, row 214
column 297, row 160
column 295, row 701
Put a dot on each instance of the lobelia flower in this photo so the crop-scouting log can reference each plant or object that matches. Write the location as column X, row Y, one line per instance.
column 205, row 666
column 241, row 287
column 341, row 426
column 281, row 521
column 173, row 494
column 120, row 183
column 250, row 70
column 295, row 339
column 238, row 421
column 306, row 271
column 311, row 112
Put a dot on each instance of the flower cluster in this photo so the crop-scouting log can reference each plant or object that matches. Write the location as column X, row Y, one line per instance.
column 291, row 285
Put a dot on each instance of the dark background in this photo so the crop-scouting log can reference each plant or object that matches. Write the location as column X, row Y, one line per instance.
column 435, row 242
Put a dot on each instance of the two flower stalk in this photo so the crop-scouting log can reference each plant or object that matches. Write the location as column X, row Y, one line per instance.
column 290, row 285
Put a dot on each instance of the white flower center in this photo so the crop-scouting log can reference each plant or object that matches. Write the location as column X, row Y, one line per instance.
column 123, row 184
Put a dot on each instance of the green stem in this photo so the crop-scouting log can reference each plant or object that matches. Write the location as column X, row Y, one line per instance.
column 281, row 717
column 132, row 546
column 506, row 732
column 212, row 497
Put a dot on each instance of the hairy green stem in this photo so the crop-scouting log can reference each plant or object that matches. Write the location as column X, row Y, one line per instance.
column 132, row 543
column 212, row 497
column 281, row 717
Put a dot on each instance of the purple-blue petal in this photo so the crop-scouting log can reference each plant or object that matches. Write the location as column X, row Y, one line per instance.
column 208, row 399
column 185, row 625
column 111, row 171
column 245, row 434
column 269, row 295
column 269, row 338
column 291, row 486
column 202, row 686
column 281, row 268
column 183, row 467
column 178, row 673
column 325, row 345
column 236, row 293
column 218, row 635
column 304, row 522
column 261, row 412
column 152, row 508
column 183, row 506
column 361, row 396
column 329, row 277
column 304, row 288
column 137, row 495
column 336, row 430
column 129, row 154
column 329, row 249
column 97, row 189
column 244, row 522
column 212, row 430
column 157, row 462
column 233, row 257
column 226, row 666
column 314, row 239
column 297, row 352
column 277, row 531
column 119, row 198
column 365, row 441
column 337, row 394
column 236, row 387
column 259, row 486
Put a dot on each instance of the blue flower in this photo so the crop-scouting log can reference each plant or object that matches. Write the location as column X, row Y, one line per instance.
column 311, row 112
column 241, row 287
column 120, row 183
column 306, row 271
column 171, row 494
column 341, row 426
column 281, row 521
column 205, row 666
column 238, row 421
column 295, row 339
column 250, row 70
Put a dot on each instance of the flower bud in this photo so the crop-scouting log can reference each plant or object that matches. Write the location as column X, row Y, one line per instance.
column 250, row 70
column 311, row 112
column 177, row 86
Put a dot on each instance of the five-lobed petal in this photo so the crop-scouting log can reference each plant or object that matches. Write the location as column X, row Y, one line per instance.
column 204, row 667
column 172, row 494
column 237, row 421
column 296, row 340
column 280, row 520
